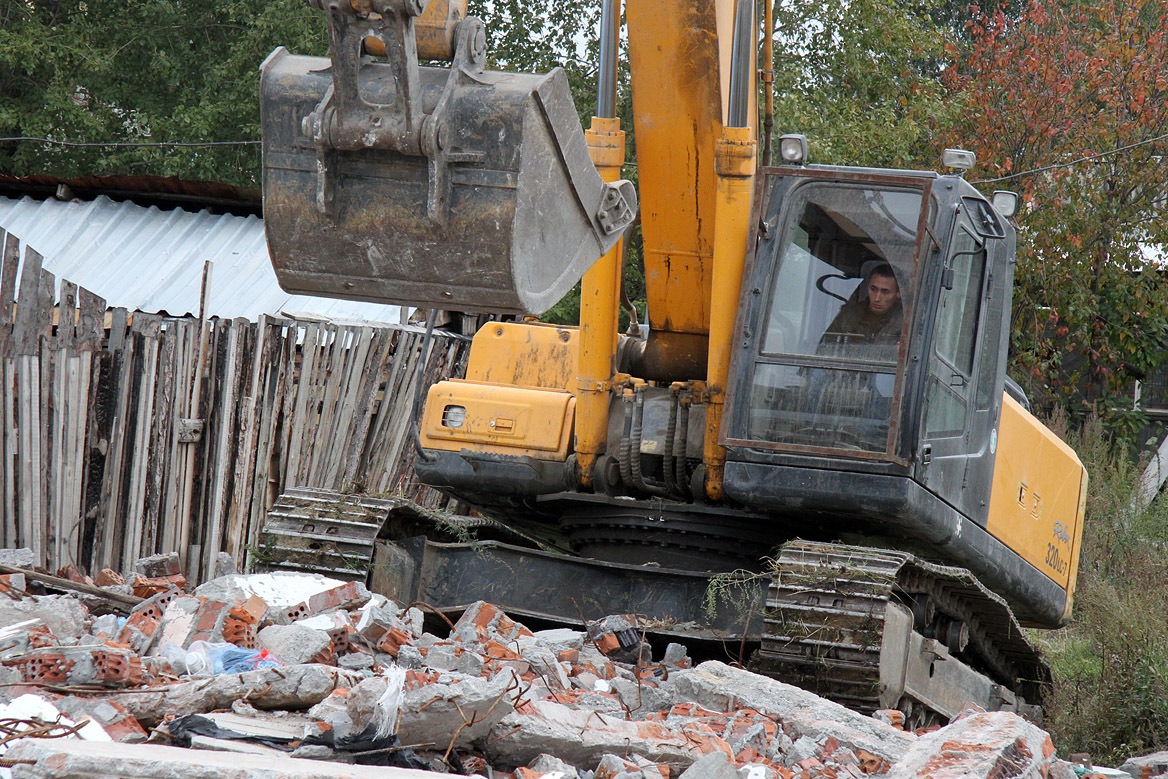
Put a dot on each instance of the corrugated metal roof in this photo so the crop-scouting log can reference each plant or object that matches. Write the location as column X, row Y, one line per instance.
column 148, row 259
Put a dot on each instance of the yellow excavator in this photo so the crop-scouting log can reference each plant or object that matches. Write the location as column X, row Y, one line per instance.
column 819, row 395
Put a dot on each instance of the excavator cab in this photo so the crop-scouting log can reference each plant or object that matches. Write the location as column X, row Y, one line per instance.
column 457, row 188
column 830, row 355
column 892, row 423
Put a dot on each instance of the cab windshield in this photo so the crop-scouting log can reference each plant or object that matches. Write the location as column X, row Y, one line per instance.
column 841, row 291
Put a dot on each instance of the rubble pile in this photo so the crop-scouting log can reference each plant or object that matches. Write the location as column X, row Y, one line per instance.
column 296, row 675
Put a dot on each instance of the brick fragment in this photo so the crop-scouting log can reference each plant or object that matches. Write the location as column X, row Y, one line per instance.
column 146, row 587
column 619, row 636
column 392, row 641
column 108, row 577
column 349, row 595
column 892, row 717
column 13, row 584
column 484, row 622
column 158, row 565
column 107, row 666
column 143, row 621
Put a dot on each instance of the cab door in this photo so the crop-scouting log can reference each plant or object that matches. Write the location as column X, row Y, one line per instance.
column 966, row 364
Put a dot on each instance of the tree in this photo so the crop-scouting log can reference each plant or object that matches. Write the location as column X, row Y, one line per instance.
column 862, row 79
column 1068, row 103
column 143, row 73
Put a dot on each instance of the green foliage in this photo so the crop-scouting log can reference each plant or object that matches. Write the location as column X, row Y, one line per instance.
column 861, row 78
column 1043, row 91
column 1110, row 695
column 535, row 36
column 141, row 72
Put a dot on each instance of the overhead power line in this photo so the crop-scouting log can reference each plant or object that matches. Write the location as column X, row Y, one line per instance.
column 1079, row 161
column 134, row 144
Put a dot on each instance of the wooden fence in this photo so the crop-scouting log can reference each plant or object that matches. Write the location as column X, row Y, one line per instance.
column 127, row 434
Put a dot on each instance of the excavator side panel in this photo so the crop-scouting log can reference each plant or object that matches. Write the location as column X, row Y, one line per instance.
column 1036, row 506
column 528, row 354
column 497, row 419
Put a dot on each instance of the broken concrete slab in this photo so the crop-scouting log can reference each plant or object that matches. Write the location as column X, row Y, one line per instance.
column 461, row 711
column 71, row 759
column 720, row 687
column 294, row 644
column 583, row 737
column 978, row 745
column 290, row 687
column 64, row 615
column 715, row 765
column 281, row 590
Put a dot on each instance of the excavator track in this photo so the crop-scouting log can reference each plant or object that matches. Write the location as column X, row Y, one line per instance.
column 879, row 629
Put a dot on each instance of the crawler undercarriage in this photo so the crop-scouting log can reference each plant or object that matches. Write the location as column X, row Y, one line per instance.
column 868, row 628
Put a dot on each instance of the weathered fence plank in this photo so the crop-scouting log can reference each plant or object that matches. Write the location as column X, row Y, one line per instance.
column 98, row 464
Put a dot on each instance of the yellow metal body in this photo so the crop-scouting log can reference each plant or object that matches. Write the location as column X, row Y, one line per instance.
column 530, row 354
column 500, row 420
column 599, row 304
column 735, row 165
column 433, row 30
column 679, row 74
column 1039, row 491
column 517, row 394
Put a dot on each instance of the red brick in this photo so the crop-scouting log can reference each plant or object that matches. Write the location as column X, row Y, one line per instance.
column 40, row 637
column 870, row 763
column 392, row 642
column 108, row 577
column 145, row 587
column 347, row 596
column 105, row 666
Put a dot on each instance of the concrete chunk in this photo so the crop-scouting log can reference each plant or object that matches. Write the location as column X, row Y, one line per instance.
column 64, row 615
column 158, row 565
column 979, row 745
column 290, row 687
column 294, row 644
column 713, row 766
column 719, row 687
column 584, row 737
column 18, row 558
column 72, row 759
column 463, row 711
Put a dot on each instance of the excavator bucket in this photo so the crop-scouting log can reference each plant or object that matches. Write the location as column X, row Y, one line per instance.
column 457, row 188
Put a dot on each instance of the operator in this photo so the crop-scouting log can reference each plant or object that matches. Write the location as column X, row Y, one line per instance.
column 876, row 319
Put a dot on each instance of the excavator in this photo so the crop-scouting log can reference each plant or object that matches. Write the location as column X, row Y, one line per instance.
column 819, row 398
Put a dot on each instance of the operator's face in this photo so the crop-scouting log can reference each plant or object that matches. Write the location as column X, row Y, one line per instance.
column 883, row 294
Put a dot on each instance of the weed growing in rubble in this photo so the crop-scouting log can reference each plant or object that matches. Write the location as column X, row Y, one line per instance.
column 737, row 591
column 1110, row 695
